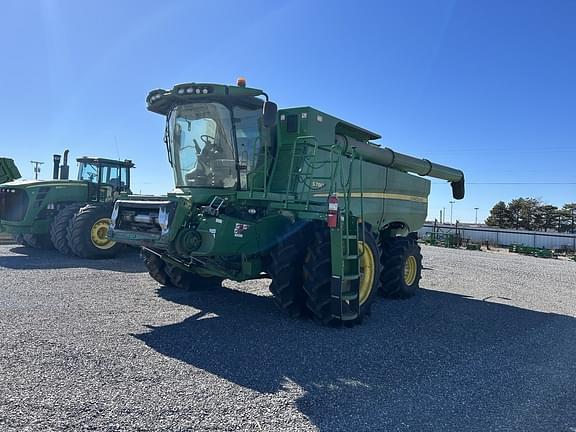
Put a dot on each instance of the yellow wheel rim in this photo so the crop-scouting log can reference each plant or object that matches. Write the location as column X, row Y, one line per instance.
column 410, row 270
column 99, row 234
column 367, row 271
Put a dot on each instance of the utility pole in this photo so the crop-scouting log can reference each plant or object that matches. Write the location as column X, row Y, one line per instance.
column 36, row 168
column 443, row 214
column 476, row 217
column 451, row 206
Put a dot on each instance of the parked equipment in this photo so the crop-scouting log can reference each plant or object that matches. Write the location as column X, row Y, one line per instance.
column 8, row 170
column 296, row 195
column 71, row 215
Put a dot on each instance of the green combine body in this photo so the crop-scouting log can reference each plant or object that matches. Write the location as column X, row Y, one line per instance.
column 71, row 215
column 296, row 195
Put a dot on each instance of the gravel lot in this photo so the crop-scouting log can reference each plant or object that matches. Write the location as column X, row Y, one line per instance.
column 490, row 344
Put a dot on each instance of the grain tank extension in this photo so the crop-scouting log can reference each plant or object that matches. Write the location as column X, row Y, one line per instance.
column 295, row 195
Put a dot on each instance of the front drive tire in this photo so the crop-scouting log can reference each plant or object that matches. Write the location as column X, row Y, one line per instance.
column 287, row 260
column 88, row 230
column 402, row 267
column 318, row 276
column 59, row 228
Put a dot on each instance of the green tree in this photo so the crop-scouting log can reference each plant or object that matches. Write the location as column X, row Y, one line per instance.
column 549, row 217
column 567, row 218
column 523, row 213
column 499, row 216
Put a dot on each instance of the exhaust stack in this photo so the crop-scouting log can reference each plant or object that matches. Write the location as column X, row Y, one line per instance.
column 56, row 169
column 64, row 168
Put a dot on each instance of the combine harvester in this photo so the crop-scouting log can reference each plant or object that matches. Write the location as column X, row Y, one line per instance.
column 71, row 215
column 296, row 195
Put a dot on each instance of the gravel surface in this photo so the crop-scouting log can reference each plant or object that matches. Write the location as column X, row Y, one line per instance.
column 490, row 344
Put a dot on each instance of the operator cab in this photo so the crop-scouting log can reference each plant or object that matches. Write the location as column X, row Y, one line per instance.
column 107, row 177
column 216, row 135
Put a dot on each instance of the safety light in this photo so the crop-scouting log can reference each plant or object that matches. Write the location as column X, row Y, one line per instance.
column 181, row 91
column 241, row 82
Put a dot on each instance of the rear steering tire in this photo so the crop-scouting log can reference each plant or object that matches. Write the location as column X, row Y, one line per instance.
column 88, row 230
column 189, row 281
column 402, row 267
column 156, row 267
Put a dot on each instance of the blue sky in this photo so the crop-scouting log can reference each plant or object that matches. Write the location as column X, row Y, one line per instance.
column 485, row 86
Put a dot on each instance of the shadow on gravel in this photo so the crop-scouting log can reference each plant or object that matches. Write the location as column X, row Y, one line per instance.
column 436, row 362
column 37, row 259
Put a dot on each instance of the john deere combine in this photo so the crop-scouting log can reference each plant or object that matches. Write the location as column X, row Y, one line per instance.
column 296, row 195
column 71, row 215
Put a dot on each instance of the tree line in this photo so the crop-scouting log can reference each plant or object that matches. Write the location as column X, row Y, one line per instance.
column 531, row 214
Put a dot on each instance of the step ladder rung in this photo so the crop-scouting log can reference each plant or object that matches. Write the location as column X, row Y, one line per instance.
column 350, row 277
column 349, row 316
column 350, row 257
column 347, row 296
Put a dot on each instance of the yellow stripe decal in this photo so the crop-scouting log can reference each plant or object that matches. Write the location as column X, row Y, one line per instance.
column 381, row 195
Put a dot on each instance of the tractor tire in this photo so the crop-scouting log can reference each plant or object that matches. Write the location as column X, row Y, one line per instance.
column 87, row 233
column 285, row 269
column 318, row 277
column 19, row 239
column 37, row 241
column 402, row 267
column 156, row 267
column 190, row 281
column 59, row 228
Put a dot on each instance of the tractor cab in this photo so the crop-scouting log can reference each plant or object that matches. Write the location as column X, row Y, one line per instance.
column 106, row 178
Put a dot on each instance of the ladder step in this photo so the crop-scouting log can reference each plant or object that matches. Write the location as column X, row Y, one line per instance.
column 350, row 277
column 350, row 257
column 350, row 237
column 347, row 296
column 349, row 316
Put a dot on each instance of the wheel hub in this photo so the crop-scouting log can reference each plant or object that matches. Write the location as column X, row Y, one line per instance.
column 99, row 234
column 367, row 269
column 410, row 270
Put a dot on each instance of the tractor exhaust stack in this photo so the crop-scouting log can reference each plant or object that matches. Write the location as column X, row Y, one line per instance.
column 64, row 168
column 56, row 169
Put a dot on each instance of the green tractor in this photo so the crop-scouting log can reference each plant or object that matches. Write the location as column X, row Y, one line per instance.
column 70, row 215
column 295, row 195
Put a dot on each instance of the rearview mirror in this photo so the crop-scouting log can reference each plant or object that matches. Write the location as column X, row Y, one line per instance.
column 269, row 111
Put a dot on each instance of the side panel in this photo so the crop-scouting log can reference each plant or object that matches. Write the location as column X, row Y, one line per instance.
column 405, row 200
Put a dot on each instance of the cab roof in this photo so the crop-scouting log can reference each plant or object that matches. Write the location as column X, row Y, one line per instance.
column 103, row 161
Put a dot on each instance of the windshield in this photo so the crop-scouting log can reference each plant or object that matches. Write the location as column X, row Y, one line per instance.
column 88, row 172
column 201, row 146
